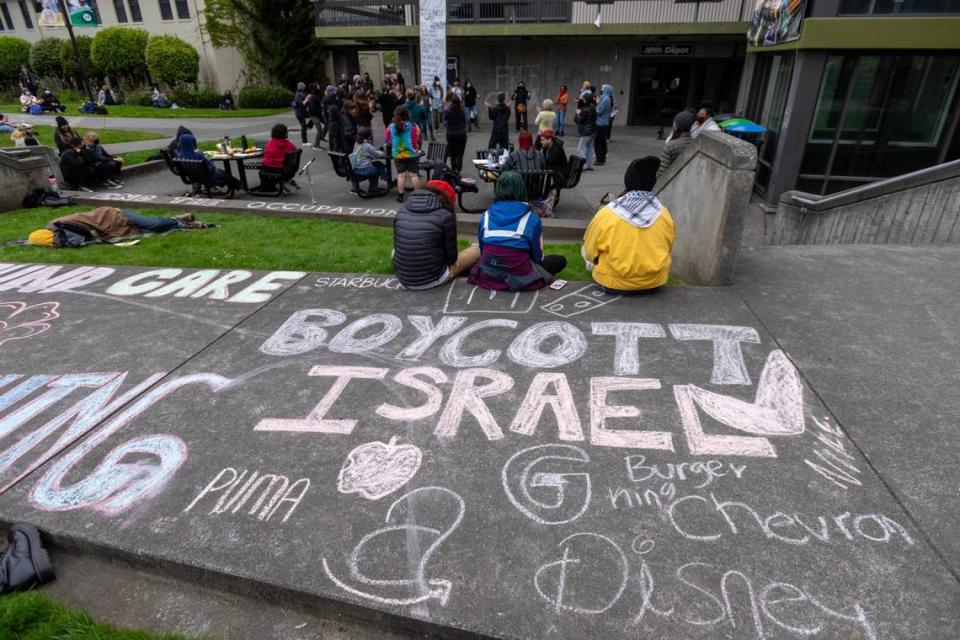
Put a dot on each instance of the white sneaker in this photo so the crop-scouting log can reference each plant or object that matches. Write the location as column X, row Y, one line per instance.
column 86, row 190
column 307, row 144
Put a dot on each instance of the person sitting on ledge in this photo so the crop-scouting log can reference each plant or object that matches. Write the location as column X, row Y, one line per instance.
column 227, row 102
column 511, row 242
column 425, row 239
column 627, row 244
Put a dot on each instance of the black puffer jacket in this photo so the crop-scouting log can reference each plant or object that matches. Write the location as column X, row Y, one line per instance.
column 586, row 121
column 424, row 240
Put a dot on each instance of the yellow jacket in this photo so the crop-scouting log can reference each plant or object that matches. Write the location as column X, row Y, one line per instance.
column 629, row 242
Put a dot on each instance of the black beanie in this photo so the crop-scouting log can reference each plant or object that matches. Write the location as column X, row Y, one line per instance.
column 61, row 121
column 641, row 175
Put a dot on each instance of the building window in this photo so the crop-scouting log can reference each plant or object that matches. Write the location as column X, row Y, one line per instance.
column 767, row 105
column 6, row 15
column 135, row 15
column 879, row 116
column 25, row 12
column 121, row 10
column 166, row 12
column 898, row 7
column 183, row 9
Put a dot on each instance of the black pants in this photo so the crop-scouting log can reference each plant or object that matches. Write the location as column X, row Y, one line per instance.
column 600, row 143
column 502, row 139
column 334, row 139
column 554, row 264
column 521, row 118
column 456, row 144
column 303, row 128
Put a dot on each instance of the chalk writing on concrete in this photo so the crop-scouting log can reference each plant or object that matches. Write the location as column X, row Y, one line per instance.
column 235, row 492
column 38, row 278
column 417, row 588
column 205, row 283
column 584, row 299
column 463, row 297
column 377, row 469
column 591, row 558
column 547, row 483
column 357, row 282
column 20, row 320
column 833, row 461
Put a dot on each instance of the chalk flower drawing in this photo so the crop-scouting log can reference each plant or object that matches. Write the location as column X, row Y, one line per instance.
column 19, row 320
column 377, row 469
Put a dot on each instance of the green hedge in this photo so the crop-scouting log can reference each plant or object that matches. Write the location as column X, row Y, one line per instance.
column 172, row 60
column 139, row 98
column 257, row 96
column 120, row 51
column 45, row 58
column 201, row 98
column 68, row 60
column 14, row 52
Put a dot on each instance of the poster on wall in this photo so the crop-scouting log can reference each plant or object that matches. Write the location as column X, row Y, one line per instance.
column 83, row 13
column 433, row 40
column 776, row 21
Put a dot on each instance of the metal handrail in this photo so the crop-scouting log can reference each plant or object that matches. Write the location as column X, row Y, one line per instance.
column 810, row 201
column 331, row 13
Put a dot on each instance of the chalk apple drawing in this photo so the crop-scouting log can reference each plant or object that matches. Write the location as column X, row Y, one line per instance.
column 18, row 320
column 377, row 469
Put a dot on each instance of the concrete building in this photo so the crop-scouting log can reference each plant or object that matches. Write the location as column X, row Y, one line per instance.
column 220, row 68
column 660, row 55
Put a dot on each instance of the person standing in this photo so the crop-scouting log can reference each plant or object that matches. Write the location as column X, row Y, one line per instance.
column 520, row 98
column 547, row 118
column 586, row 120
column 470, row 104
column 436, row 93
column 348, row 125
column 300, row 111
column 457, row 90
column 331, row 116
column 500, row 117
column 455, row 121
column 679, row 140
column 563, row 98
column 404, row 140
column 705, row 121
column 314, row 104
column 387, row 103
column 604, row 111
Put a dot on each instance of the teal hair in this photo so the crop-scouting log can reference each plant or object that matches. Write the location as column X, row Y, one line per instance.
column 510, row 186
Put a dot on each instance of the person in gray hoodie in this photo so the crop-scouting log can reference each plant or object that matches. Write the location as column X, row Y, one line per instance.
column 604, row 122
column 679, row 140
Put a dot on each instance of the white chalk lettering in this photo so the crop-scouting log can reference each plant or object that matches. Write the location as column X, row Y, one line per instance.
column 728, row 364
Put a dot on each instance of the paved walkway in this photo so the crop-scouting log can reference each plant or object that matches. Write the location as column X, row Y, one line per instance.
column 776, row 459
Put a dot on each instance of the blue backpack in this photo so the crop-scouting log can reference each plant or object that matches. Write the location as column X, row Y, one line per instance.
column 35, row 110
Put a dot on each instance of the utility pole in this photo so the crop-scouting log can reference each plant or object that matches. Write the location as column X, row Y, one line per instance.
column 76, row 50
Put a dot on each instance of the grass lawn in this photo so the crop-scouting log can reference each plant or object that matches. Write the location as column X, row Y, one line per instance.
column 34, row 616
column 107, row 136
column 133, row 111
column 240, row 242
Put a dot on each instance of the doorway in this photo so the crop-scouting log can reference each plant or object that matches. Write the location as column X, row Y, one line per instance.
column 660, row 90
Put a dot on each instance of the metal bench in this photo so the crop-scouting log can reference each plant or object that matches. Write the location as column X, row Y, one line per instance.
column 197, row 174
column 570, row 180
column 273, row 181
column 343, row 168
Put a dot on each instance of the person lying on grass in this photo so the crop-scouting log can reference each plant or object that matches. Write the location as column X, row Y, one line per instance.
column 107, row 224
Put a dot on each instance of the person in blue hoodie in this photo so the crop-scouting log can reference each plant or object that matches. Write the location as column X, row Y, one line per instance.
column 187, row 150
column 511, row 242
column 604, row 122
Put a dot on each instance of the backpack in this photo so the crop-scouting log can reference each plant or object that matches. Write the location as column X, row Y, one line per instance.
column 88, row 107
column 45, row 198
column 35, row 110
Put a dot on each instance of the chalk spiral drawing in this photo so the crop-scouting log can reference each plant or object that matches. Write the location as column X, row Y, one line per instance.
column 377, row 469
column 19, row 320
column 584, row 299
column 569, row 493
column 607, row 561
column 417, row 588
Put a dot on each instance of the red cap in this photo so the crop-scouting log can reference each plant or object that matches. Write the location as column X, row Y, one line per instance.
column 445, row 191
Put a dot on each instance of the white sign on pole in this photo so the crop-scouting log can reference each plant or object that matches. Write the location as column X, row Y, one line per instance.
column 433, row 41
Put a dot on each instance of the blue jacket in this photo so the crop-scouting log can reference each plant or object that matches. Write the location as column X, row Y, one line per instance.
column 605, row 107
column 511, row 223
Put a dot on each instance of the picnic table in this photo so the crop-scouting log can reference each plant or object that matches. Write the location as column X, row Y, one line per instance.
column 238, row 157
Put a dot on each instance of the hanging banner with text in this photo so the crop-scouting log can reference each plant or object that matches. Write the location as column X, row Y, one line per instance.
column 433, row 40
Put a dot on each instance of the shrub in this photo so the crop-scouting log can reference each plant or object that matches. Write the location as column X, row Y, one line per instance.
column 201, row 98
column 172, row 60
column 13, row 53
column 68, row 60
column 139, row 98
column 120, row 51
column 45, row 58
column 258, row 96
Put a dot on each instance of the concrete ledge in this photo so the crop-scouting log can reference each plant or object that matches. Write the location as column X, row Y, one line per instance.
column 707, row 191
column 24, row 169
column 144, row 168
column 363, row 211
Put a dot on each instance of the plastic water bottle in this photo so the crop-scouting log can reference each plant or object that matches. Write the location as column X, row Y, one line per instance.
column 226, row 144
column 243, row 144
column 54, row 184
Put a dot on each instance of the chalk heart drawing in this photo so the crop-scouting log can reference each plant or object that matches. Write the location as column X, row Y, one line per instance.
column 19, row 320
column 377, row 469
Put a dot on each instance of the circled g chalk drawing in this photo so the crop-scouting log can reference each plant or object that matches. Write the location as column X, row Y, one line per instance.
column 416, row 588
column 569, row 492
column 377, row 469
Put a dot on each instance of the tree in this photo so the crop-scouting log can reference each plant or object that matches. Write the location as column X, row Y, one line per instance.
column 120, row 51
column 68, row 58
column 275, row 37
column 14, row 52
column 45, row 58
column 172, row 60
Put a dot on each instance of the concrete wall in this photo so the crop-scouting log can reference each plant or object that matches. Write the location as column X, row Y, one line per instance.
column 917, row 208
column 22, row 171
column 220, row 68
column 707, row 190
